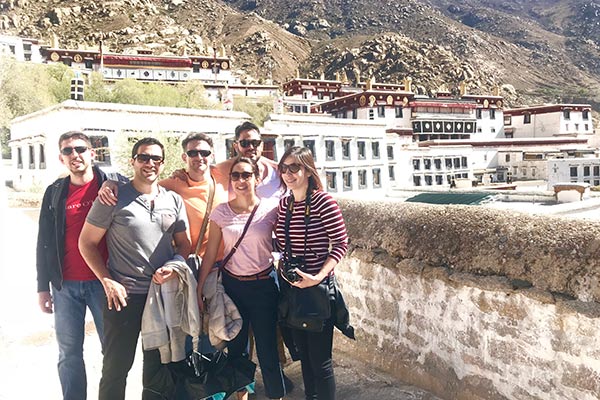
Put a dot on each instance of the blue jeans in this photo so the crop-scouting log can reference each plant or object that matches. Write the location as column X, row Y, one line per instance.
column 70, row 305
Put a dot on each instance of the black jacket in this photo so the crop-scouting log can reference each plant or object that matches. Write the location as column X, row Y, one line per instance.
column 51, row 231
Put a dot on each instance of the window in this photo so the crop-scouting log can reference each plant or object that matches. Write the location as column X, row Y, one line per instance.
column 417, row 180
column 376, row 178
column 391, row 173
column 524, row 171
column 463, row 162
column 371, row 113
column 478, row 113
column 448, row 162
column 375, row 149
column 439, row 180
column 427, row 163
column 586, row 127
column 585, row 114
column 331, row 181
column 329, row 150
column 596, row 170
column 457, row 162
column 573, row 172
column 305, row 94
column 507, row 158
column 347, row 177
column 361, row 150
column 390, row 152
column 362, row 178
column 19, row 158
column 576, row 127
column 101, row 148
column 320, row 95
column 398, row 112
column 380, row 111
column 346, row 149
column 492, row 113
column 586, row 171
column 31, row 157
column 287, row 143
column 428, row 180
column 507, row 120
column 42, row 157
column 310, row 144
column 527, row 118
column 416, row 165
column 567, row 114
column 354, row 113
column 533, row 171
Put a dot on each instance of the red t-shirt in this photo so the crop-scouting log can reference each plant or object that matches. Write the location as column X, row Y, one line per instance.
column 79, row 202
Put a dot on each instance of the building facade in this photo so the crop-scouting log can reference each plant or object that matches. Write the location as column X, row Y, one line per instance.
column 34, row 137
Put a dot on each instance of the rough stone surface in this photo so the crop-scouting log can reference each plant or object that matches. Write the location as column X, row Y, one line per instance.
column 550, row 253
column 461, row 306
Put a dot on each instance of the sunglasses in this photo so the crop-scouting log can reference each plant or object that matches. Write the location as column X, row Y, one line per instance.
column 247, row 142
column 293, row 168
column 236, row 176
column 67, row 151
column 194, row 153
column 145, row 158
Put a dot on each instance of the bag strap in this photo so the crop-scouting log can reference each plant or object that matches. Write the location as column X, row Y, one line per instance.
column 235, row 246
column 211, row 196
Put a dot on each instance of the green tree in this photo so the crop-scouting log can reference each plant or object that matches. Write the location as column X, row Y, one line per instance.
column 259, row 109
column 26, row 88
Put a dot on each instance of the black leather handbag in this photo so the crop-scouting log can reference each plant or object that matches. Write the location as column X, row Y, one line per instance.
column 305, row 309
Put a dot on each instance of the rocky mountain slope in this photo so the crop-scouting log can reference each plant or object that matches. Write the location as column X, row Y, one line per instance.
column 544, row 50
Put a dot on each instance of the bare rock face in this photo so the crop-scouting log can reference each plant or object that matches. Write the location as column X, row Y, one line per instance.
column 484, row 44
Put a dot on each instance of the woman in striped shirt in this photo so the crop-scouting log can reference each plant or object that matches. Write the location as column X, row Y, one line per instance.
column 321, row 240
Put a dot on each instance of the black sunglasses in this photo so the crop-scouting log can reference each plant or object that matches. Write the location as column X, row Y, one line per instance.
column 67, row 151
column 144, row 158
column 293, row 168
column 235, row 176
column 247, row 142
column 194, row 153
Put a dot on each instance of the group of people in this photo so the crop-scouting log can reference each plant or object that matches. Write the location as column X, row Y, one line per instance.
column 102, row 246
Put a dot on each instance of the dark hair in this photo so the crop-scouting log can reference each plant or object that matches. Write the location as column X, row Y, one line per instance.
column 196, row 136
column 74, row 135
column 246, row 160
column 147, row 141
column 304, row 157
column 245, row 126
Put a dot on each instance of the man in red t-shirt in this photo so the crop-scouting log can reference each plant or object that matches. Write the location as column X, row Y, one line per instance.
column 75, row 287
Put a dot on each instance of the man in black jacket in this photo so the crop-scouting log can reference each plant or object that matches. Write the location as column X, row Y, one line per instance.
column 75, row 287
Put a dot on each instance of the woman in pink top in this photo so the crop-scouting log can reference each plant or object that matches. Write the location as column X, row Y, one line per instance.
column 248, row 276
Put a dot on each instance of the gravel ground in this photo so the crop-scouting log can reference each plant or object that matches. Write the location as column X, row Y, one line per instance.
column 29, row 350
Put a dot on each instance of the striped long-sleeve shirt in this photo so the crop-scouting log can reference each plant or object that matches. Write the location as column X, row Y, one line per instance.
column 325, row 234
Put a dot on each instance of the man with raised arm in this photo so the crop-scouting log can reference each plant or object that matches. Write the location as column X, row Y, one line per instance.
column 140, row 231
column 248, row 143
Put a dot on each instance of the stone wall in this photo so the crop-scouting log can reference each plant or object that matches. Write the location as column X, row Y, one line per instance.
column 472, row 303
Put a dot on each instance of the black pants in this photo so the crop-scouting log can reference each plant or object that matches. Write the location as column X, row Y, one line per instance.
column 121, row 332
column 257, row 303
column 317, row 364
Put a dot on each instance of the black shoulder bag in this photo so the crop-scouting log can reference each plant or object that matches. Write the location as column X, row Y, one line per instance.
column 305, row 309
